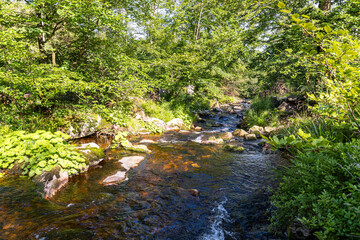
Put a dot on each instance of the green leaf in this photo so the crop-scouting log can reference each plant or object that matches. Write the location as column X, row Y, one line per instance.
column 281, row 5
column 327, row 29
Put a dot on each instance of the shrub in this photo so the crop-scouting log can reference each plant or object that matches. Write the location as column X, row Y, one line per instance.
column 35, row 153
column 262, row 113
column 322, row 191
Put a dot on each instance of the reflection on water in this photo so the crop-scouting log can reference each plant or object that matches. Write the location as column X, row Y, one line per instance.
column 182, row 190
column 156, row 202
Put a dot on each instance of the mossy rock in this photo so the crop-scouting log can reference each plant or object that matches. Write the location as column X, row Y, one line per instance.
column 139, row 148
column 93, row 153
column 232, row 148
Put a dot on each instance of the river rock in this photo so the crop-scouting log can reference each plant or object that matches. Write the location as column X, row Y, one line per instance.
column 52, row 181
column 240, row 133
column 117, row 177
column 226, row 136
column 269, row 130
column 250, row 136
column 131, row 162
column 85, row 128
column 213, row 141
column 157, row 122
column 92, row 152
column 147, row 141
column 198, row 128
column 233, row 148
column 139, row 148
column 256, row 130
column 175, row 123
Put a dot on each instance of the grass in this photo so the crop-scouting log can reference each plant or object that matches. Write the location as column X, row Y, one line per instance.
column 263, row 113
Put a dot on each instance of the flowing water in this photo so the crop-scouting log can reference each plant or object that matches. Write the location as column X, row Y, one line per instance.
column 182, row 190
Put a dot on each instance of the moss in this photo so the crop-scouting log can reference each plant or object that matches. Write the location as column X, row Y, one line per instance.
column 232, row 148
column 92, row 154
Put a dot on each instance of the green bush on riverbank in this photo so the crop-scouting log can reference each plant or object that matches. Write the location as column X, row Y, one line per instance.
column 321, row 191
column 32, row 154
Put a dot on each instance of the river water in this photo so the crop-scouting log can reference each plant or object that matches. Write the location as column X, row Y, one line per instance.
column 182, row 190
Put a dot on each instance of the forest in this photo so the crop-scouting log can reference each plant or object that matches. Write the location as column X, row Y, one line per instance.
column 67, row 63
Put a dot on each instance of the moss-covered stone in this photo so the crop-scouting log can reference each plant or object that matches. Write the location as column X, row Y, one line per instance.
column 232, row 148
column 92, row 152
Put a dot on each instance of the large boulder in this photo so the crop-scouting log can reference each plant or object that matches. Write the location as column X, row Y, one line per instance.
column 93, row 153
column 176, row 123
column 85, row 128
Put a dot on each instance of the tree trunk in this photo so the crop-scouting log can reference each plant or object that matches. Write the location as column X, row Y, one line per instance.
column 325, row 5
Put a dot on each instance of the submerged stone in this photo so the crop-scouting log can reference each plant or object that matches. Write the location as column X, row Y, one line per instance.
column 131, row 162
column 117, row 177
column 233, row 148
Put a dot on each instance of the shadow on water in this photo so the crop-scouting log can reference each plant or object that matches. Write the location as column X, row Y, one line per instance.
column 182, row 190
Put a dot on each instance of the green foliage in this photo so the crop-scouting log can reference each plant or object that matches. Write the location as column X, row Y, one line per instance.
column 319, row 127
column 153, row 128
column 262, row 113
column 321, row 190
column 301, row 142
column 39, row 152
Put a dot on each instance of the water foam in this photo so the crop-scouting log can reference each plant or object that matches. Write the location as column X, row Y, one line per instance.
column 216, row 231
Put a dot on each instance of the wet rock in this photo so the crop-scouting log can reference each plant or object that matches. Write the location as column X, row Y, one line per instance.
column 184, row 131
column 240, row 133
column 238, row 109
column 256, row 130
column 198, row 128
column 92, row 152
column 117, row 177
column 147, row 141
column 175, row 123
column 194, row 192
column 213, row 141
column 226, row 136
column 88, row 127
column 232, row 148
column 250, row 136
column 131, row 162
column 139, row 148
column 52, row 181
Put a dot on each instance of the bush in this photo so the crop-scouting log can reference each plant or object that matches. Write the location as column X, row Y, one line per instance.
column 35, row 153
column 322, row 191
column 262, row 113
